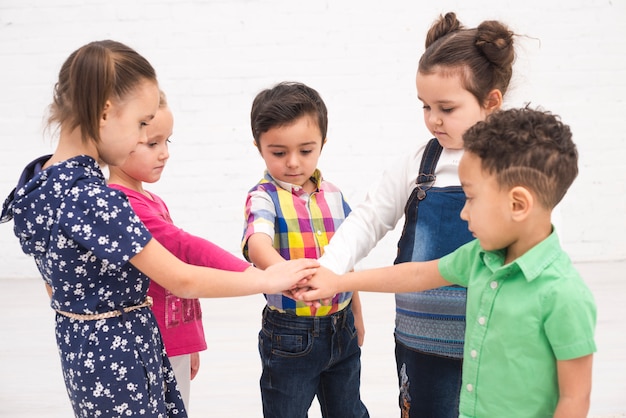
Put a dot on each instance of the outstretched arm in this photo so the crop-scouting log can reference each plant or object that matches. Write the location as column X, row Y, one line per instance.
column 404, row 277
column 188, row 281
column 154, row 214
column 373, row 218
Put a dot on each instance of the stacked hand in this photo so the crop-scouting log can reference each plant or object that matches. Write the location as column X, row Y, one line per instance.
column 317, row 289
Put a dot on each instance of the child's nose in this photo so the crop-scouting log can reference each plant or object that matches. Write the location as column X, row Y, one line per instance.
column 434, row 118
column 464, row 213
column 292, row 160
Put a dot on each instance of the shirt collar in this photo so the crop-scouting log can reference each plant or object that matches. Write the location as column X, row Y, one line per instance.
column 316, row 178
column 532, row 263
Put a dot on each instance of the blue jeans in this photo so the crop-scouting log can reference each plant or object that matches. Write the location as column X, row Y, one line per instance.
column 430, row 385
column 307, row 356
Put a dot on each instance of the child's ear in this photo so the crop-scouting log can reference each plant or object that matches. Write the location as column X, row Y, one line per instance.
column 522, row 202
column 494, row 100
column 105, row 113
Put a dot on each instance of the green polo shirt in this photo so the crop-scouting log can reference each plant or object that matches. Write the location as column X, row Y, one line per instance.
column 521, row 318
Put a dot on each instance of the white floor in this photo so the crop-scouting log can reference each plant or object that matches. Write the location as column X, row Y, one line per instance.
column 227, row 386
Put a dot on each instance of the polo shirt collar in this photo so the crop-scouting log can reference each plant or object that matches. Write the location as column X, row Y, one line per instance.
column 316, row 178
column 533, row 262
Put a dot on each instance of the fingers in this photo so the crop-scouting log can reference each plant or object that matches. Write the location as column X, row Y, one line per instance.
column 305, row 268
column 308, row 262
column 361, row 339
column 195, row 364
column 304, row 274
column 310, row 295
column 291, row 293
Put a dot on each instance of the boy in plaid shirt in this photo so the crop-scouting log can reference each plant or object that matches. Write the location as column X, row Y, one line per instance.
column 292, row 213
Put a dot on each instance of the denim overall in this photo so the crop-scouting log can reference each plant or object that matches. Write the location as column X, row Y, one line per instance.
column 430, row 325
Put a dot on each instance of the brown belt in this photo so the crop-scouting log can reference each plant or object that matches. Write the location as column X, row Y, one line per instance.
column 106, row 315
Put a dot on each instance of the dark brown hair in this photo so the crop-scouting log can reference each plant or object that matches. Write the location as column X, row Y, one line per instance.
column 483, row 56
column 284, row 104
column 529, row 148
column 91, row 75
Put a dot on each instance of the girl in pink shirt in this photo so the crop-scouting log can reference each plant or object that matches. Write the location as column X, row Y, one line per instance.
column 180, row 320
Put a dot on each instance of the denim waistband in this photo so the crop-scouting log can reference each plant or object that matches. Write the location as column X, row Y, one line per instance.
column 307, row 322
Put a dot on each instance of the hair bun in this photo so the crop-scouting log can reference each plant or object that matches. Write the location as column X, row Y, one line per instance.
column 495, row 41
column 443, row 26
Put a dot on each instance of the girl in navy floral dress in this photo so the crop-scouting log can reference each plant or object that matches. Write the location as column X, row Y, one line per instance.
column 94, row 253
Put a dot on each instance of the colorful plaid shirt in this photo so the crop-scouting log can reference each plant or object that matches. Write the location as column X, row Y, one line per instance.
column 300, row 224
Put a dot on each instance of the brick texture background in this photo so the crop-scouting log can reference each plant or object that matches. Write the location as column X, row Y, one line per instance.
column 212, row 57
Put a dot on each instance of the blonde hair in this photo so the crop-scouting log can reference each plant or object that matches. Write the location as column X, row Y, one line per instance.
column 162, row 99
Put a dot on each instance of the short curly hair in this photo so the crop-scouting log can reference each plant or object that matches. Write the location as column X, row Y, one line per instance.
column 529, row 148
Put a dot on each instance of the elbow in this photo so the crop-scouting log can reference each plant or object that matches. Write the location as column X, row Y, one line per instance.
column 183, row 288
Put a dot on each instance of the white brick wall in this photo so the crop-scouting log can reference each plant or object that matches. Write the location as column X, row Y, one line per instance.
column 212, row 57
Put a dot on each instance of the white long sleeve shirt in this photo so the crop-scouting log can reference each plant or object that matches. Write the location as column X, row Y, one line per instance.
column 383, row 207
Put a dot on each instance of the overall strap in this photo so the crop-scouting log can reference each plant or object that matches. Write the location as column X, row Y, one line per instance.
column 426, row 176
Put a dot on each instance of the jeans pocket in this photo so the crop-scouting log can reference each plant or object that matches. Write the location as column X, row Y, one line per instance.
column 286, row 342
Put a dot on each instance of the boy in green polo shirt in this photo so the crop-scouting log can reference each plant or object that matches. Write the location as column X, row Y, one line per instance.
column 530, row 317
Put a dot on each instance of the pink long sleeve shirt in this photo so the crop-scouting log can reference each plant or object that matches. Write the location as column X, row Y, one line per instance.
column 180, row 320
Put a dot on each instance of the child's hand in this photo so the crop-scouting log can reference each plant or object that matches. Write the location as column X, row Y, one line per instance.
column 288, row 275
column 326, row 301
column 291, row 293
column 194, row 362
column 320, row 289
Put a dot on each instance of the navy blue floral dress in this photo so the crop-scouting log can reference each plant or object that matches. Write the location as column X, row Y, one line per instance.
column 82, row 234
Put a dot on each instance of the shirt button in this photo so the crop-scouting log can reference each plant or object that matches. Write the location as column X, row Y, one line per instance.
column 473, row 353
column 470, row 388
column 319, row 232
column 482, row 320
column 494, row 285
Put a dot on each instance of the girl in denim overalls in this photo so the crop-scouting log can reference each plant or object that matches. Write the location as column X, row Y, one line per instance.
column 461, row 79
